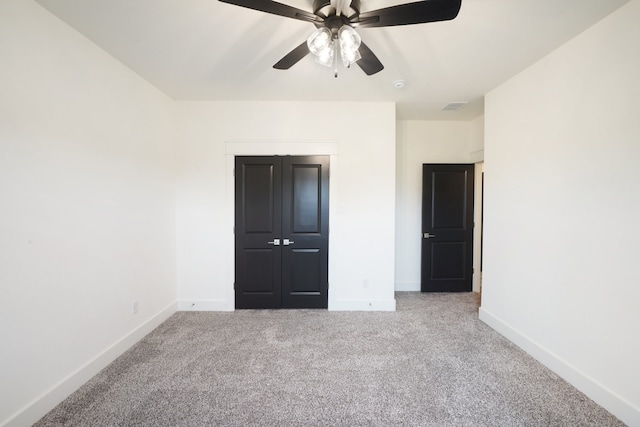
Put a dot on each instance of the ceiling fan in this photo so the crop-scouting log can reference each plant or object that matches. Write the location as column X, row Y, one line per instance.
column 335, row 20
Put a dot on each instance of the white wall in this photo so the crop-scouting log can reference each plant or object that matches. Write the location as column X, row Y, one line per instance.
column 360, row 137
column 87, row 219
column 562, row 210
column 421, row 142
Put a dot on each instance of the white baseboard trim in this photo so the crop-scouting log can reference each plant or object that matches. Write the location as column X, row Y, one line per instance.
column 407, row 287
column 50, row 399
column 206, row 305
column 362, row 305
column 618, row 406
column 334, row 305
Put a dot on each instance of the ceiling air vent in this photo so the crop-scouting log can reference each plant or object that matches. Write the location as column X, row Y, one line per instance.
column 454, row 106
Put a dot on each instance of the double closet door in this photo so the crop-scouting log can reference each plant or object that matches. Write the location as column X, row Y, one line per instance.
column 281, row 231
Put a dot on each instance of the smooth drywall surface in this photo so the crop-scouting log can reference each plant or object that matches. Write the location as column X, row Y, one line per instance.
column 87, row 218
column 361, row 141
column 562, row 209
column 421, row 142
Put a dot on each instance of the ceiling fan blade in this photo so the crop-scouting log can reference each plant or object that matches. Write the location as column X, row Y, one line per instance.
column 275, row 8
column 292, row 58
column 410, row 13
column 369, row 62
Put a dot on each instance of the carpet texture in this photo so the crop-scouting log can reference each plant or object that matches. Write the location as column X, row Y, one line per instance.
column 430, row 363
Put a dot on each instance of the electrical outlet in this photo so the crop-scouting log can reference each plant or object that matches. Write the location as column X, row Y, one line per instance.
column 134, row 307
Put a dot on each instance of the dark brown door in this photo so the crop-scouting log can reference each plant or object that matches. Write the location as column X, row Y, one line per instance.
column 282, row 232
column 447, row 228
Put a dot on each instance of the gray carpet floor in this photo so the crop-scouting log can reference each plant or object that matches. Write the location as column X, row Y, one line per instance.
column 430, row 363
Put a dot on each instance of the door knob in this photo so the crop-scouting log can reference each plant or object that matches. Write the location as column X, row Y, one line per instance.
column 428, row 236
column 287, row 242
column 276, row 242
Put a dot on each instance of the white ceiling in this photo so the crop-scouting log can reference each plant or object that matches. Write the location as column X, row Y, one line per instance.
column 208, row 50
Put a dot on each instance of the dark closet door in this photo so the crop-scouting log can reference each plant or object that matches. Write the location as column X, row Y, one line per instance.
column 282, row 232
column 305, row 232
column 447, row 228
column 258, row 232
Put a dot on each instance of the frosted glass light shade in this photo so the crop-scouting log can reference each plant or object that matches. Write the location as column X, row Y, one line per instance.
column 319, row 41
column 349, row 39
column 349, row 57
column 327, row 55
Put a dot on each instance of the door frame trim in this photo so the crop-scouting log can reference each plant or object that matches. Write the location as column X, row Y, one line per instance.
column 271, row 148
column 477, row 231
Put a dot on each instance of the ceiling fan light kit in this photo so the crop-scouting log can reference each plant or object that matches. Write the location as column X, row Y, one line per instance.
column 336, row 20
column 324, row 44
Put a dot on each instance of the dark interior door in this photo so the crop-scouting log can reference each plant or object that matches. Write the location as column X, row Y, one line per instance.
column 282, row 232
column 447, row 228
